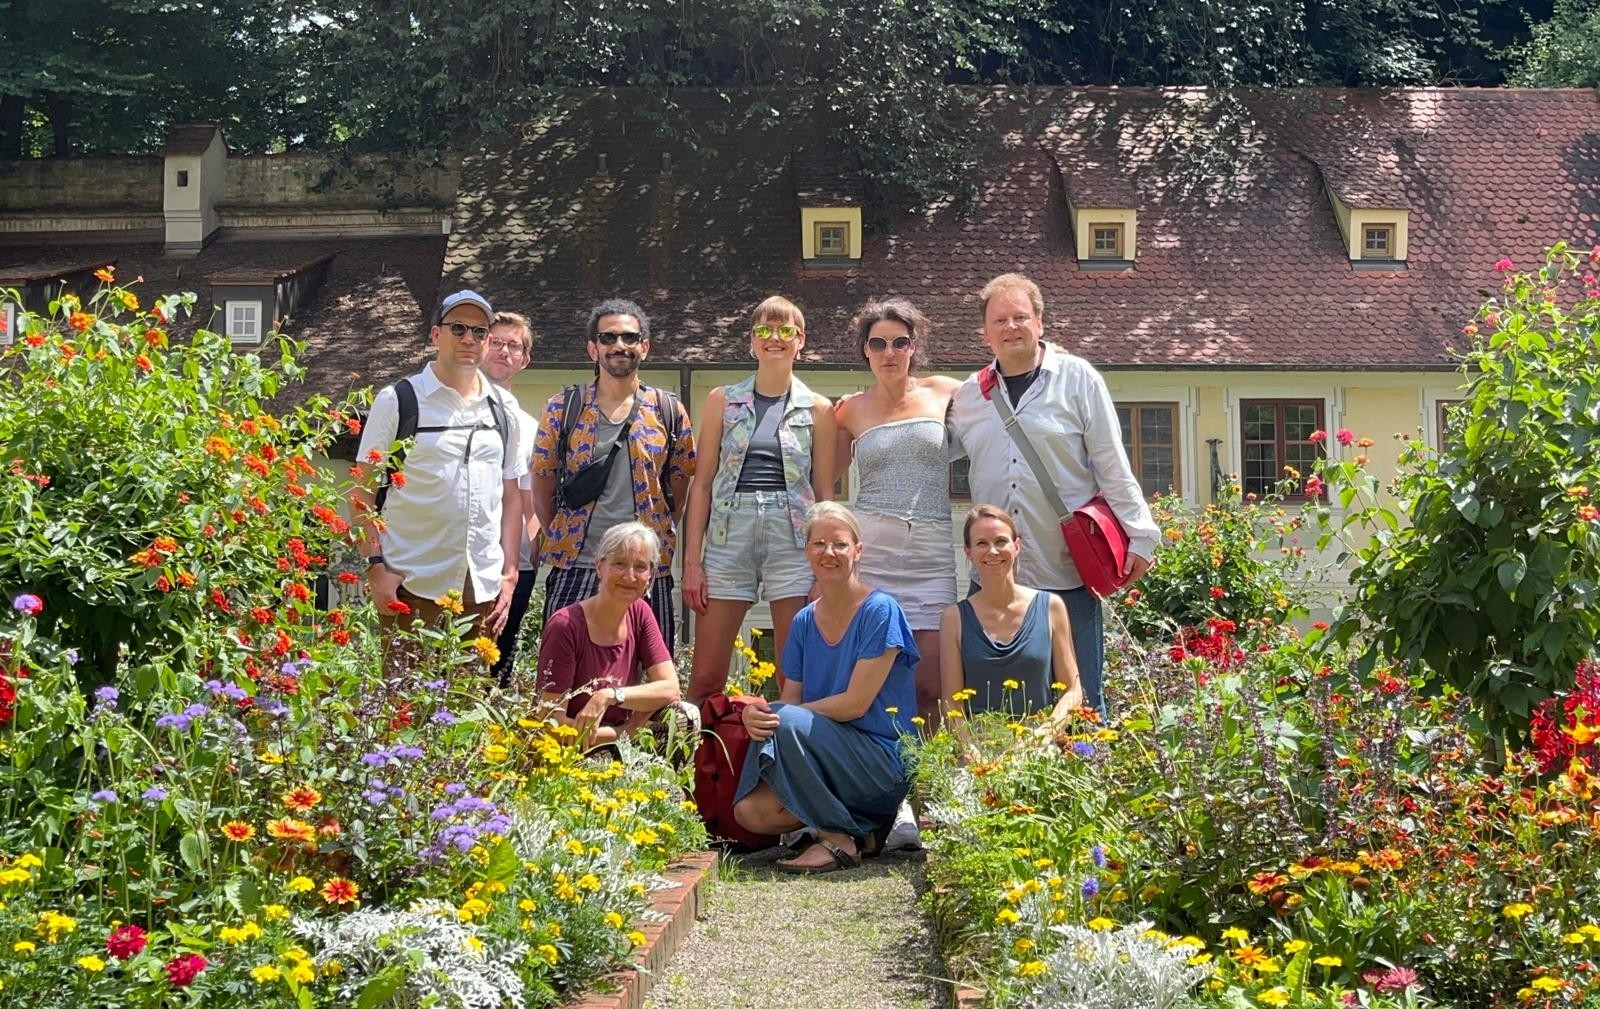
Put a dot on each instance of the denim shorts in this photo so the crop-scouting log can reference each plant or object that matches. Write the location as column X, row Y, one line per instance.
column 760, row 554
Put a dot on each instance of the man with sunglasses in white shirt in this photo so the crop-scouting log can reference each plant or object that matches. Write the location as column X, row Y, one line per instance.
column 447, row 519
column 608, row 452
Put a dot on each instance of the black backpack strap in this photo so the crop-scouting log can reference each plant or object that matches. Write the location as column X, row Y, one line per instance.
column 405, row 395
column 571, row 406
column 497, row 413
column 667, row 408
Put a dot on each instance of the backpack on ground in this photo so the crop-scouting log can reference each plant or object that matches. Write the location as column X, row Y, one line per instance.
column 405, row 395
column 718, row 763
column 572, row 405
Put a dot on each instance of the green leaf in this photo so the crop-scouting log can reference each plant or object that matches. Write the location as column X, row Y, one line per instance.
column 503, row 864
column 192, row 849
column 382, row 987
column 1511, row 571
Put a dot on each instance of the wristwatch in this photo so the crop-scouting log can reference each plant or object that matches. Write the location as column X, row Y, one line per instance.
column 375, row 560
column 618, row 695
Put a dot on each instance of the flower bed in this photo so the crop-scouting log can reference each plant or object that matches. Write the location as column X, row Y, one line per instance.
column 1265, row 830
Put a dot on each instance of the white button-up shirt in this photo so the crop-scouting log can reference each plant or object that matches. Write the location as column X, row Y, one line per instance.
column 1068, row 416
column 444, row 524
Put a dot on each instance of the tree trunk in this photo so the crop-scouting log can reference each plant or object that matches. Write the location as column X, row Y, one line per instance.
column 11, row 109
column 59, row 109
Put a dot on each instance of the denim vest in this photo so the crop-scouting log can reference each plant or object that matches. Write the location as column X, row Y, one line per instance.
column 794, row 440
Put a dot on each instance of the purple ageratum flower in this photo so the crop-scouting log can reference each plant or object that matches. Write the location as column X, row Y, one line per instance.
column 274, row 707
column 1083, row 749
column 234, row 692
column 433, row 684
column 71, row 656
column 106, row 697
column 1091, row 886
column 105, row 795
column 196, row 711
column 155, row 793
column 28, row 604
column 177, row 720
column 1098, row 855
column 409, row 752
column 377, row 758
column 215, row 686
column 376, row 797
column 454, row 788
column 443, row 717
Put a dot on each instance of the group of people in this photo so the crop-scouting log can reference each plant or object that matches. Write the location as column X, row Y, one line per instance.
column 864, row 601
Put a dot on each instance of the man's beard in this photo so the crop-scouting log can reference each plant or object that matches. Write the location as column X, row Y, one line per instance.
column 620, row 366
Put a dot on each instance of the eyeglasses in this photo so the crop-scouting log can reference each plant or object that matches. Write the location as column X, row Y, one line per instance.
column 627, row 337
column 766, row 331
column 501, row 346
column 835, row 547
column 458, row 330
column 877, row 344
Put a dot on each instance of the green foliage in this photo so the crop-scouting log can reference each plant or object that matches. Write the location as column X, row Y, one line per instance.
column 147, row 489
column 1563, row 52
column 1232, row 560
column 1492, row 581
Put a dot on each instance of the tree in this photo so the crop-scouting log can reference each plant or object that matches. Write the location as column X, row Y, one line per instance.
column 1563, row 52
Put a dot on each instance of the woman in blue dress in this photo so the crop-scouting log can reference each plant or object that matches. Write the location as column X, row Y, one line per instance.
column 826, row 757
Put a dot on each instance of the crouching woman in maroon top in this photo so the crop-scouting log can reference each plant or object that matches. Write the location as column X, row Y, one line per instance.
column 603, row 666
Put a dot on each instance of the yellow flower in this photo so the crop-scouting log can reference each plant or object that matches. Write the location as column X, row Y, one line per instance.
column 1328, row 961
column 450, row 602
column 275, row 912
column 1033, row 968
column 495, row 753
column 303, row 973
column 1294, row 946
column 53, row 925
column 14, row 875
column 475, row 944
column 588, row 881
column 892, row 709
column 300, row 884
column 1236, row 934
column 28, row 860
column 1274, row 997
column 1102, row 924
column 265, row 974
column 1022, row 945
column 1006, row 917
column 93, row 964
column 1574, row 938
column 487, row 650
column 614, row 919
column 269, row 757
column 1518, row 911
column 1011, row 684
column 637, row 938
column 1200, row 959
column 1547, row 983
column 23, row 947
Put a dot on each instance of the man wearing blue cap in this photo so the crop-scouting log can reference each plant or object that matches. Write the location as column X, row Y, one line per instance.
column 450, row 507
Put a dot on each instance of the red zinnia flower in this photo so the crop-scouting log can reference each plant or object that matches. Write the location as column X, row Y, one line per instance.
column 127, row 942
column 182, row 970
column 349, row 577
column 398, row 607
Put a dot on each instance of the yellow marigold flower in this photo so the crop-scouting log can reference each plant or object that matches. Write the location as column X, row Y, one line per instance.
column 300, row 884
column 614, row 919
column 475, row 944
column 53, row 925
column 28, row 860
column 303, row 972
column 1274, row 997
column 1033, row 968
column 1517, row 911
column 588, row 881
column 1022, row 945
column 1011, row 684
column 24, row 947
column 554, row 929
column 295, row 954
column 269, row 757
column 265, row 974
column 1328, row 961
column 1294, row 946
column 1101, row 924
column 487, row 650
column 495, row 753
column 1058, row 686
column 1236, row 934
column 1199, row 959
column 1547, row 984
column 275, row 912
column 93, row 964
column 14, row 875
column 1006, row 917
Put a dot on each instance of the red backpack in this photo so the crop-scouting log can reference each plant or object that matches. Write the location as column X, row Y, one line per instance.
column 718, row 763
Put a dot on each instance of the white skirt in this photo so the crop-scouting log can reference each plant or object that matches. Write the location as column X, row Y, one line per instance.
column 913, row 560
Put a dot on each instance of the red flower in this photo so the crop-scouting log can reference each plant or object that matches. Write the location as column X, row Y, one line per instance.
column 298, row 592
column 1318, row 437
column 1217, row 592
column 80, row 321
column 155, row 338
column 397, row 478
column 1503, row 264
column 398, row 607
column 340, row 637
column 163, row 584
column 1314, row 486
column 349, row 577
column 353, row 425
column 182, row 970
column 126, row 942
column 1345, row 436
column 142, row 363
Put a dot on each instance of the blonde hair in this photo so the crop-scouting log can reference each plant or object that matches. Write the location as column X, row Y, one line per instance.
column 521, row 324
column 1011, row 282
column 780, row 310
column 824, row 511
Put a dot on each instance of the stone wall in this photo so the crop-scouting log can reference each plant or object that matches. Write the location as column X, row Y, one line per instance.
column 307, row 181
column 126, row 185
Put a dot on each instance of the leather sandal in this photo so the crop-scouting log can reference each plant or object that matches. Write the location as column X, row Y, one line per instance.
column 841, row 860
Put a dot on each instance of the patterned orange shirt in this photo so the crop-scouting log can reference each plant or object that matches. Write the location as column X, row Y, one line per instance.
column 647, row 452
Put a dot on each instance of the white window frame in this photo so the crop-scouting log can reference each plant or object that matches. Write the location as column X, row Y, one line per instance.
column 9, row 314
column 232, row 331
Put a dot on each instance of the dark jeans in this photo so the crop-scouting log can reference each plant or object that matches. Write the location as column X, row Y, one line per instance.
column 1088, row 642
column 512, row 632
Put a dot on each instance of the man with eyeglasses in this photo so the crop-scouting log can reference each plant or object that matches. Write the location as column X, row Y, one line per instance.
column 1063, row 408
column 442, row 526
column 510, row 350
column 608, row 452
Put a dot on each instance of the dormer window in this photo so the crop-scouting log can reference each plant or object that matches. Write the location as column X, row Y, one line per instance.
column 8, row 323
column 833, row 238
column 1105, row 241
column 1377, row 241
column 243, row 321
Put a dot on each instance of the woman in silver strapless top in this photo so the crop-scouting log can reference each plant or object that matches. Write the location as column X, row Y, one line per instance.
column 895, row 431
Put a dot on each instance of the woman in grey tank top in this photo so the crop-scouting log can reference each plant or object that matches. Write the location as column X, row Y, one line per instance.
column 895, row 432
column 1009, row 647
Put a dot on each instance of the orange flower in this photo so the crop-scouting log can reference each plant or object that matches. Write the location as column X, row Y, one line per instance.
column 339, row 890
column 237, row 831
column 142, row 363
column 1250, row 956
column 301, row 798
column 288, row 829
column 105, row 274
column 186, row 579
column 1266, row 882
column 80, row 321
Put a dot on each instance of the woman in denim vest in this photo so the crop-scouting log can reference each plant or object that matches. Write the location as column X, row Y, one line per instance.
column 766, row 455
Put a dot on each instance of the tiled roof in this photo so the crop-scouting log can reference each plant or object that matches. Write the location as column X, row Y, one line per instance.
column 190, row 139
column 365, row 324
column 35, row 269
column 267, row 272
column 1240, row 259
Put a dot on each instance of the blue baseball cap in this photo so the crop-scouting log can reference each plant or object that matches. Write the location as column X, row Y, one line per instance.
column 460, row 298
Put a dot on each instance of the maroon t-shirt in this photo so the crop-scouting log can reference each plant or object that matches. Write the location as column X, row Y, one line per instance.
column 568, row 660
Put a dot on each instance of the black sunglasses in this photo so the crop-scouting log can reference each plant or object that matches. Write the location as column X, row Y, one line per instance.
column 877, row 344
column 627, row 337
column 458, row 330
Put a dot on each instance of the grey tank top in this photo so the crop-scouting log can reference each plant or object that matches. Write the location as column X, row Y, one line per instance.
column 1026, row 659
column 763, row 458
column 905, row 469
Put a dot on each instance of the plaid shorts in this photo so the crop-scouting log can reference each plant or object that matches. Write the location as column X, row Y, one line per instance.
column 565, row 586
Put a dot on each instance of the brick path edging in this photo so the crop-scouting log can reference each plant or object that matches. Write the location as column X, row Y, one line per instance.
column 962, row 996
column 681, row 905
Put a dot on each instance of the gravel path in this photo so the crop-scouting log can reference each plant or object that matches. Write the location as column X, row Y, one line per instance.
column 835, row 941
